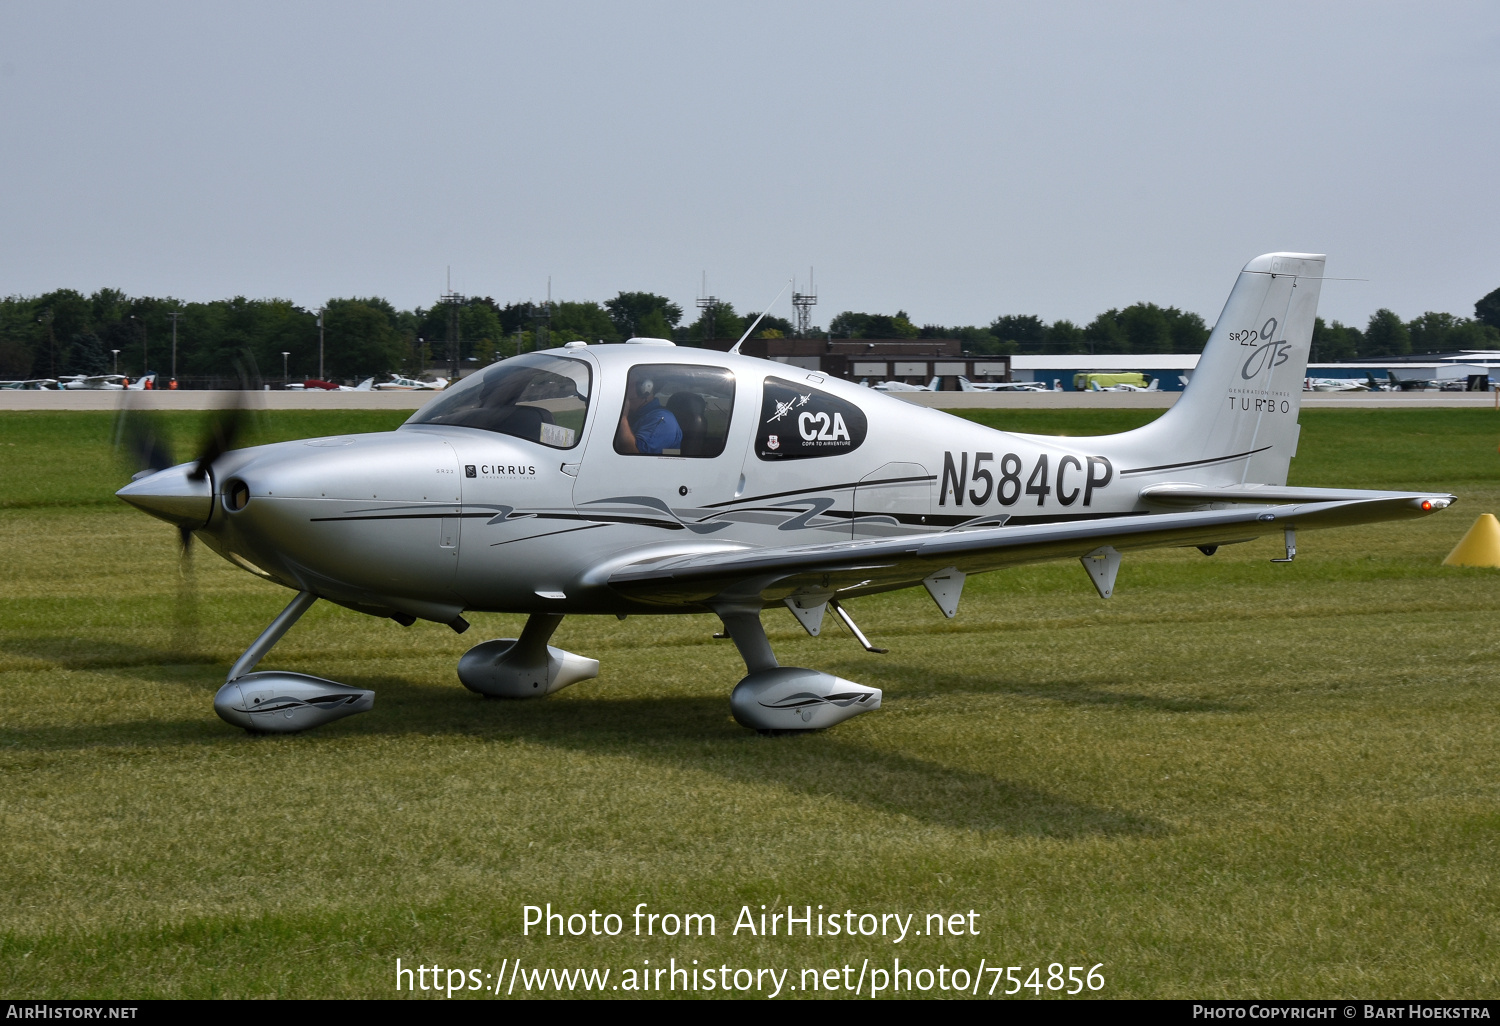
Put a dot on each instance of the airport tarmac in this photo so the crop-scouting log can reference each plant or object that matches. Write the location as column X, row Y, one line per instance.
column 16, row 399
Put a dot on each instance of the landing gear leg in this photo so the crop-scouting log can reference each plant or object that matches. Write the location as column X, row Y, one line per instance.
column 749, row 636
column 278, row 702
column 783, row 698
column 272, row 634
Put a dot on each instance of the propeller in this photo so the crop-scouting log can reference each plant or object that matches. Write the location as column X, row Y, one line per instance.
column 143, row 439
column 224, row 429
column 143, row 436
column 146, row 443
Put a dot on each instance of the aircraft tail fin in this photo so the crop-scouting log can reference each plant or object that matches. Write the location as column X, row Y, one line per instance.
column 1237, row 418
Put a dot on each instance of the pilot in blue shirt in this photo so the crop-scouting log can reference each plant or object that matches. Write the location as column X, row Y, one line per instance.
column 646, row 426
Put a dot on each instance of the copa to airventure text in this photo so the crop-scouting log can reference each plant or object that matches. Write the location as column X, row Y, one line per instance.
column 767, row 922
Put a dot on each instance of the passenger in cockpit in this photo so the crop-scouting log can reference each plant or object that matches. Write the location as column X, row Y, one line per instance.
column 646, row 426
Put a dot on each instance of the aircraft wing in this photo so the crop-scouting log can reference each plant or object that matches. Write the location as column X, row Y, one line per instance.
column 92, row 380
column 1264, row 495
column 767, row 575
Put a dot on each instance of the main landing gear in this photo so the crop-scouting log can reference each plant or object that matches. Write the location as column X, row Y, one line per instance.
column 779, row 698
column 524, row 667
column 770, row 698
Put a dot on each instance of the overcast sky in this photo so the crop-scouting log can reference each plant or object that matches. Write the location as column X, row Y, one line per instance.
column 957, row 160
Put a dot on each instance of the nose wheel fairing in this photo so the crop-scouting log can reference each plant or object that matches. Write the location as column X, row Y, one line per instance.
column 277, row 702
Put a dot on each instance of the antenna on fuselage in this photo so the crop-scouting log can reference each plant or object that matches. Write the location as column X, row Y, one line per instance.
column 735, row 349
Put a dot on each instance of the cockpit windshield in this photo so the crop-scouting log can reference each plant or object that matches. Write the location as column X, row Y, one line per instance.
column 539, row 397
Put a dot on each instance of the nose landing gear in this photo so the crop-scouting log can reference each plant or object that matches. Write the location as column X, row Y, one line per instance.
column 280, row 702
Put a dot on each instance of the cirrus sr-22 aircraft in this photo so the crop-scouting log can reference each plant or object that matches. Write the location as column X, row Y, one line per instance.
column 640, row 479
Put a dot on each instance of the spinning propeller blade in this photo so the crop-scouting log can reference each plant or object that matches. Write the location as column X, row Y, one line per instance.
column 143, row 440
column 223, row 430
column 142, row 436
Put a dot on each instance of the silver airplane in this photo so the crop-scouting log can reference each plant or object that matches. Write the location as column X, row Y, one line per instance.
column 644, row 479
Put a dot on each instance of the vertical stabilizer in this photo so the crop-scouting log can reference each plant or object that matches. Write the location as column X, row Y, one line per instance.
column 1240, row 409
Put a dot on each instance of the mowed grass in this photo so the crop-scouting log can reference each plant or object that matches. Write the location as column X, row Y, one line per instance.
column 1233, row 779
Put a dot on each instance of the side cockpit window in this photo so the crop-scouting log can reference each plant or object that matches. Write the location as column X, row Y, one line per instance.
column 538, row 397
column 674, row 409
column 798, row 422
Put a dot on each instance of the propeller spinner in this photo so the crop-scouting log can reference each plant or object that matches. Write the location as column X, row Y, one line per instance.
column 179, row 493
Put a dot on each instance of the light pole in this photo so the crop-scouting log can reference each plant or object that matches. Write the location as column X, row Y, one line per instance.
column 174, row 314
column 321, row 312
column 117, row 360
column 46, row 318
column 284, row 378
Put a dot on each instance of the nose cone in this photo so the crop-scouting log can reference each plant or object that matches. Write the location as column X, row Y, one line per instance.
column 173, row 496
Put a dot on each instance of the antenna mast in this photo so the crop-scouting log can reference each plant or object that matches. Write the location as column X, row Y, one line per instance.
column 803, row 302
column 710, row 307
column 736, row 347
column 453, row 301
column 541, row 317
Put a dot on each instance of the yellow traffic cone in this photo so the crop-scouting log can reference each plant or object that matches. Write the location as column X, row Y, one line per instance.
column 1480, row 546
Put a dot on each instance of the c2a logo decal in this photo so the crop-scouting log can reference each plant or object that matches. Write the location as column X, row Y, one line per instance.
column 1070, row 480
column 818, row 427
column 798, row 421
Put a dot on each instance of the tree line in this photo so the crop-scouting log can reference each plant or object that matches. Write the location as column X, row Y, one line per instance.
column 67, row 332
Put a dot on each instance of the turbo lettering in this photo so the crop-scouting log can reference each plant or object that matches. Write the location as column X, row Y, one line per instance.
column 1260, row 405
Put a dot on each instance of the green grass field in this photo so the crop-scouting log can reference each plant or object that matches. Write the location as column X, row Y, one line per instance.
column 1233, row 779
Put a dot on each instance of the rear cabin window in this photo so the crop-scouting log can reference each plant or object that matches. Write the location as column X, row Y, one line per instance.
column 674, row 409
column 798, row 422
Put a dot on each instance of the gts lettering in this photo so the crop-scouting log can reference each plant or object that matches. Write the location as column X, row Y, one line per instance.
column 1002, row 479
